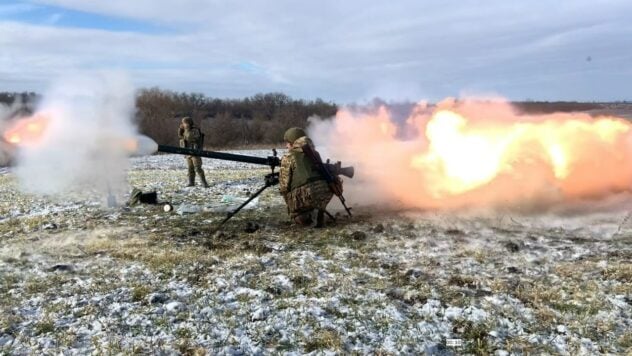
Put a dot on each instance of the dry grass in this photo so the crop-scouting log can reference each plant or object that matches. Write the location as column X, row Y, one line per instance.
column 323, row 339
column 371, row 271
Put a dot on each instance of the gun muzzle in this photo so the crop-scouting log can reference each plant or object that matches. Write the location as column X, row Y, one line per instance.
column 337, row 169
column 347, row 171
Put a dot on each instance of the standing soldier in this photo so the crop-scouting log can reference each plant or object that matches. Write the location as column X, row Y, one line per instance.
column 191, row 137
column 301, row 184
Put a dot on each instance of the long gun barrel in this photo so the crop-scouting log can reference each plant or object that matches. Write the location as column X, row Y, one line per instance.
column 271, row 161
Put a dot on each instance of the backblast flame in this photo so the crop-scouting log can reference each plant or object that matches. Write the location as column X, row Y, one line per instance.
column 28, row 131
column 31, row 131
column 483, row 153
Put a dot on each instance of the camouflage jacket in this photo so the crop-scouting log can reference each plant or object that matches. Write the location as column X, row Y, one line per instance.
column 190, row 138
column 296, row 169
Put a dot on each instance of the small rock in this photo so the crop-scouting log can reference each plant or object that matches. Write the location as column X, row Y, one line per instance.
column 61, row 268
column 512, row 247
column 175, row 307
column 358, row 235
column 156, row 298
column 561, row 329
column 378, row 228
column 512, row 269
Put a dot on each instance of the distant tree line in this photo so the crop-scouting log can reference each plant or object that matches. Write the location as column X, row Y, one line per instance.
column 259, row 119
column 9, row 98
column 18, row 104
column 548, row 107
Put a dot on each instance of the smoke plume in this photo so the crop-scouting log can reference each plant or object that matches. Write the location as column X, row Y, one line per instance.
column 7, row 111
column 475, row 153
column 87, row 120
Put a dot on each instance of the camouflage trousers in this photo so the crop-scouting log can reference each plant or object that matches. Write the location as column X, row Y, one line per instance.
column 306, row 198
column 194, row 164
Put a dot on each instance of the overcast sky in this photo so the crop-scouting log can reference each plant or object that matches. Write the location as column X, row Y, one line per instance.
column 337, row 50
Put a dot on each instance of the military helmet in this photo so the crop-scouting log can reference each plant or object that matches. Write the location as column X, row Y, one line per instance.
column 293, row 134
column 187, row 120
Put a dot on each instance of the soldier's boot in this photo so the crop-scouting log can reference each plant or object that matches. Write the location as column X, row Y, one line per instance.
column 320, row 219
column 304, row 219
column 203, row 178
column 191, row 177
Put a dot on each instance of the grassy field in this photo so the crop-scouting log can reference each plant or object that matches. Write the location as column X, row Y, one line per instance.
column 76, row 277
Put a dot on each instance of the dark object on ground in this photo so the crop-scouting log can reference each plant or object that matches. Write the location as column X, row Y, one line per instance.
column 251, row 227
column 138, row 197
column 149, row 198
column 157, row 298
column 49, row 226
column 512, row 269
column 61, row 268
column 512, row 246
column 454, row 232
column 378, row 228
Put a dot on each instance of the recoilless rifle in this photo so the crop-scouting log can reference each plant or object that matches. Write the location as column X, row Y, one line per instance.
column 329, row 171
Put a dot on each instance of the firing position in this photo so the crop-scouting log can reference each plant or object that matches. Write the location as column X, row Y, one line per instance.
column 302, row 185
column 192, row 137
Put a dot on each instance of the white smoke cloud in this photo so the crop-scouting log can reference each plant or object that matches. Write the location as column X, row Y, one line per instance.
column 83, row 147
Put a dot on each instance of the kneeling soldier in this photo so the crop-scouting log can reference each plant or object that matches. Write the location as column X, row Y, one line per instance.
column 301, row 184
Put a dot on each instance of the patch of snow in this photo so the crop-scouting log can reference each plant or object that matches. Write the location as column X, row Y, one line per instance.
column 175, row 307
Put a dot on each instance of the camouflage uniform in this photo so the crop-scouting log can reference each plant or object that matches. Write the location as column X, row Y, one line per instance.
column 190, row 138
column 302, row 186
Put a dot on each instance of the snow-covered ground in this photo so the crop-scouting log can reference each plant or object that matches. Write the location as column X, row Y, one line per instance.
column 77, row 278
